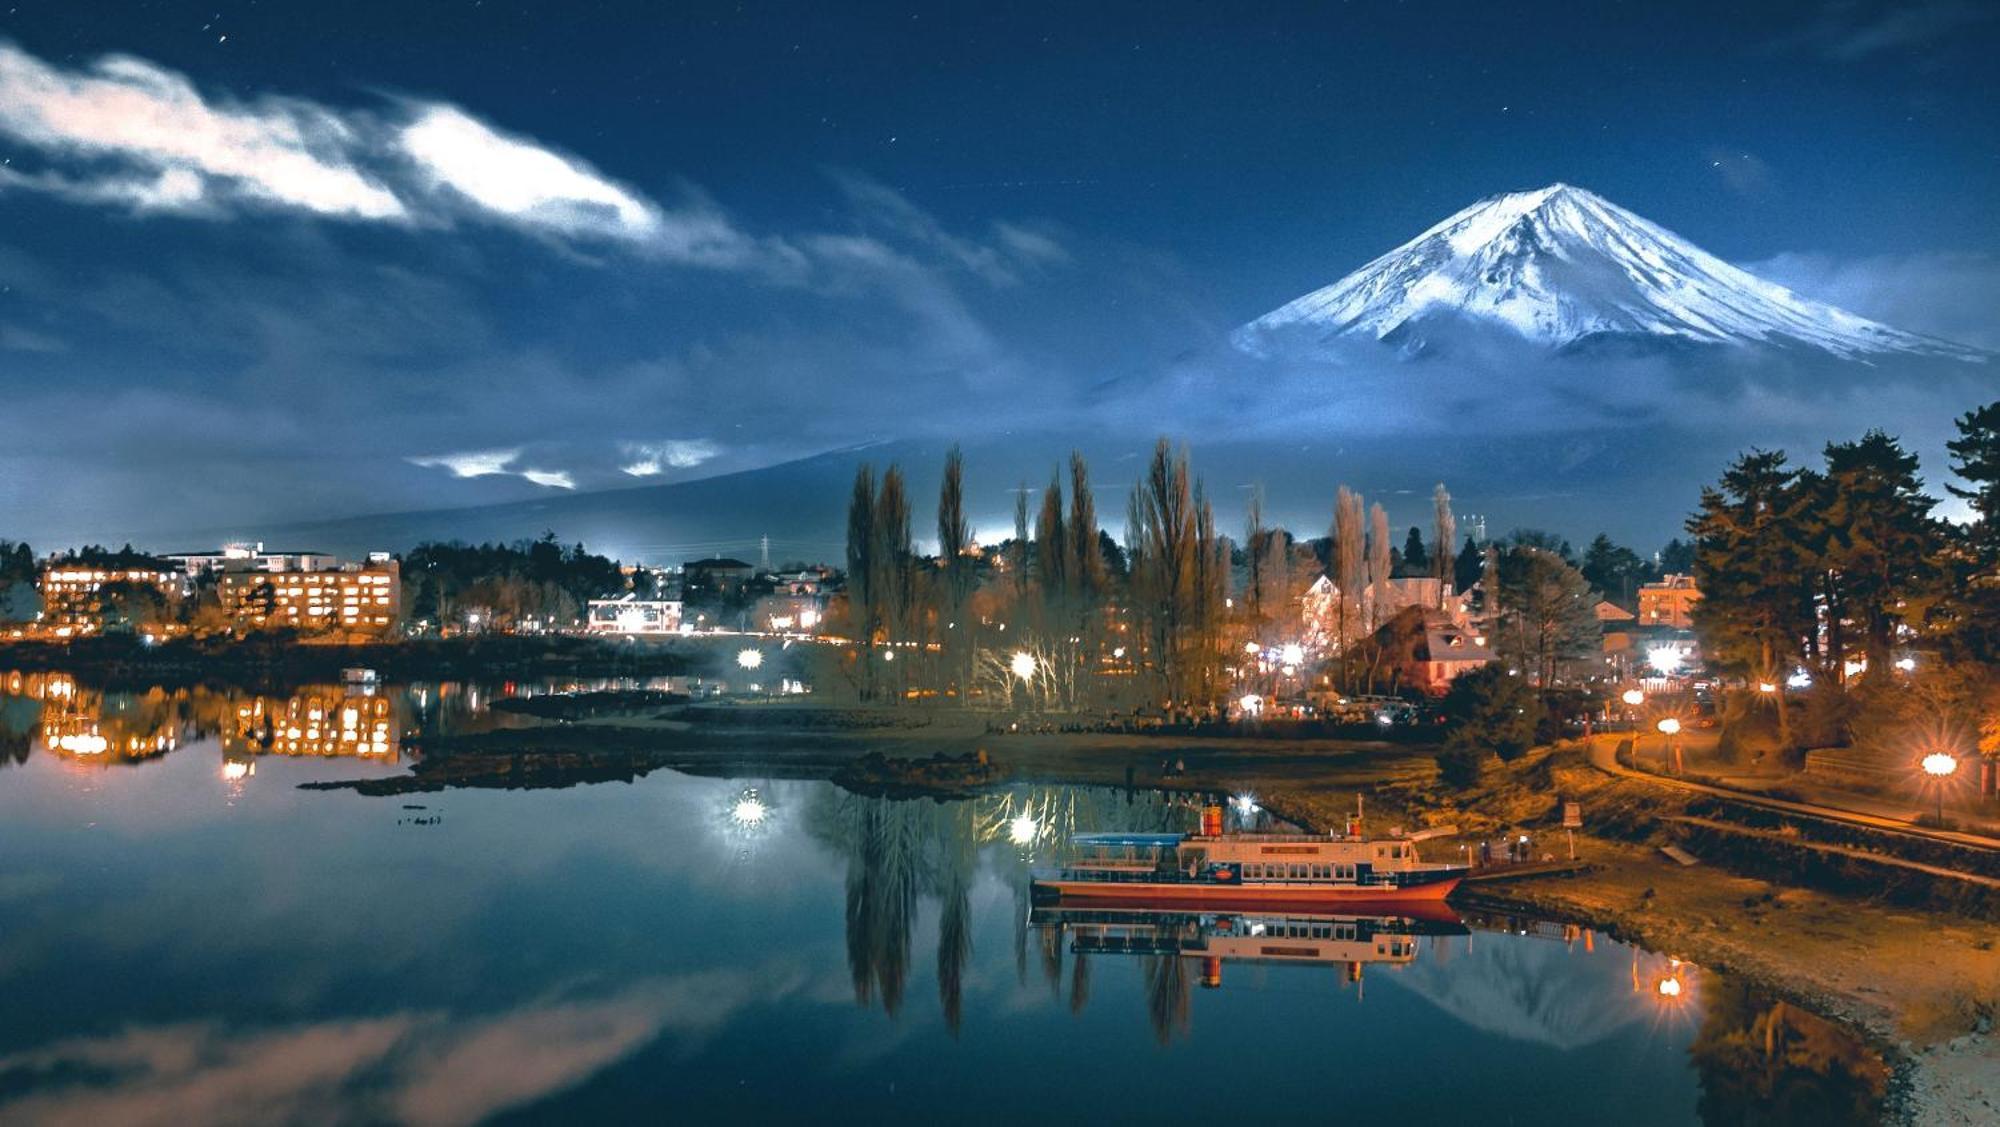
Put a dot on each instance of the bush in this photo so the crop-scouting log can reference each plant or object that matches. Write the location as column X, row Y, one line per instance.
column 1491, row 710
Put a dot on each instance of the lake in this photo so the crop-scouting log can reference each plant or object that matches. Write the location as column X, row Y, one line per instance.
column 187, row 936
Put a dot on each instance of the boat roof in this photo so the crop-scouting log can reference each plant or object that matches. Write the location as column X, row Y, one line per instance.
column 1142, row 840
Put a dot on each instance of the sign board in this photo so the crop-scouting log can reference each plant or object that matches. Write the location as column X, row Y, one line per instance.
column 1572, row 815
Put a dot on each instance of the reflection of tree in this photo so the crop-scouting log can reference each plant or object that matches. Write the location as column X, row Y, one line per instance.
column 899, row 851
column 1769, row 1062
column 1168, row 995
column 1079, row 982
column 955, row 916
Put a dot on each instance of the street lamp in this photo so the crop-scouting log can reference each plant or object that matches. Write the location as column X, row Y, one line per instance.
column 750, row 659
column 1022, row 664
column 1633, row 697
column 1670, row 727
column 1940, row 766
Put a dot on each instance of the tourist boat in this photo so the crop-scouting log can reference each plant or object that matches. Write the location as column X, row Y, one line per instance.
column 359, row 675
column 1244, row 870
column 1285, row 936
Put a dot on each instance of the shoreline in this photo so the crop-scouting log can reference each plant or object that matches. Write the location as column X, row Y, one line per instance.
column 1916, row 984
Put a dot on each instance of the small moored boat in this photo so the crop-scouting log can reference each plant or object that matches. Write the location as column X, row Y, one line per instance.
column 1236, row 870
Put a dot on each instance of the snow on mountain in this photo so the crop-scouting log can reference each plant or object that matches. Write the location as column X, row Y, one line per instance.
column 1561, row 265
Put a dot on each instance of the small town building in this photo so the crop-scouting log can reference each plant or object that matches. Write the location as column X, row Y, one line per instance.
column 1669, row 603
column 251, row 557
column 633, row 616
column 714, row 579
column 1427, row 649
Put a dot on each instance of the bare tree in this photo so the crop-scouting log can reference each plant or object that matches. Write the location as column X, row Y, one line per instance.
column 1444, row 530
column 954, row 538
column 1379, row 606
column 1348, row 563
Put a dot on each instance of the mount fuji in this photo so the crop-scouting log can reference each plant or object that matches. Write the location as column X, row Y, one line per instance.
column 1564, row 268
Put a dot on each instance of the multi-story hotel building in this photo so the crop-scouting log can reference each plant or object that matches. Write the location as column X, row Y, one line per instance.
column 359, row 598
column 71, row 589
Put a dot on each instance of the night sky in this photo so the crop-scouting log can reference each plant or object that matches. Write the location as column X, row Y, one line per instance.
column 287, row 261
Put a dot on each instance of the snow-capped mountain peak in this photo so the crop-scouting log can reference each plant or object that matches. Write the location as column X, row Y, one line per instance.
column 1561, row 265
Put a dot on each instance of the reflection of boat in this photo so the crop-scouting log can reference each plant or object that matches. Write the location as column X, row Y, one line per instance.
column 359, row 675
column 1246, row 870
column 1258, row 937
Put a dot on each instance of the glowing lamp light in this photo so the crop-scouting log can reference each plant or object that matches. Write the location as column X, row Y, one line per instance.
column 750, row 659
column 1245, row 804
column 1766, row 687
column 1022, row 829
column 1252, row 647
column 1799, row 680
column 1938, row 764
column 1022, row 664
column 1294, row 654
column 1669, row 726
column 1665, row 660
column 1634, row 697
column 1906, row 664
column 1251, row 704
column 1670, row 987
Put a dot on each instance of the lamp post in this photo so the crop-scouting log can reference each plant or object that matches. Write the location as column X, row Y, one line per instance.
column 1670, row 727
column 1940, row 766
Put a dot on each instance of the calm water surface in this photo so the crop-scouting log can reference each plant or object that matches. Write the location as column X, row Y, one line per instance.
column 186, row 936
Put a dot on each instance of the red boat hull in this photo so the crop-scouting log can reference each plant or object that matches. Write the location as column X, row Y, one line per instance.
column 1242, row 898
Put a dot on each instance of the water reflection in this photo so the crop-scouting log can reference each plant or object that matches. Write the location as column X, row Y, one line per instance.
column 597, row 952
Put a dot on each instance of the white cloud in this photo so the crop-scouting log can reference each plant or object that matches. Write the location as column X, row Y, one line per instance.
column 123, row 131
column 521, row 181
column 1946, row 294
column 650, row 459
column 470, row 463
column 554, row 479
column 158, row 127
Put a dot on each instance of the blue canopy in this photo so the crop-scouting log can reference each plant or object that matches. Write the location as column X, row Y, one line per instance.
column 1143, row 841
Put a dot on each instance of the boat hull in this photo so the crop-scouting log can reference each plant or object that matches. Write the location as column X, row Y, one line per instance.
column 1240, row 897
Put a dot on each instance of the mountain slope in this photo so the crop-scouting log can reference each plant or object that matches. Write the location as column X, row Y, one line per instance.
column 1559, row 266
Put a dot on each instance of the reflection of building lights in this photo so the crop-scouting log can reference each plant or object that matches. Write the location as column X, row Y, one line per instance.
column 1665, row 660
column 1022, row 664
column 1022, row 829
column 236, row 770
column 1669, row 726
column 1294, row 654
column 1634, row 697
column 750, row 659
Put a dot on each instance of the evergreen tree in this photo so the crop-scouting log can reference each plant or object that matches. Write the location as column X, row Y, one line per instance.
column 1467, row 567
column 1756, row 606
column 1416, row 561
column 1975, row 558
column 1883, row 541
column 1614, row 570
